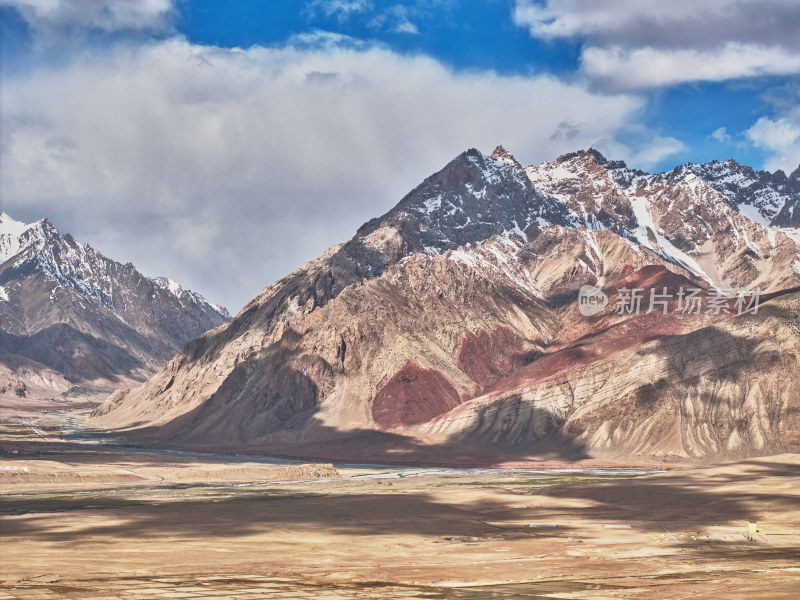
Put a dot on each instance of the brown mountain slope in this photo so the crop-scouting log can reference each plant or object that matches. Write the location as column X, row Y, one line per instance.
column 449, row 327
column 427, row 335
column 662, row 389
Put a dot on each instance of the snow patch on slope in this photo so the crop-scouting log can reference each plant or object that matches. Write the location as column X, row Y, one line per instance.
column 168, row 284
column 11, row 234
column 664, row 247
column 498, row 255
column 752, row 213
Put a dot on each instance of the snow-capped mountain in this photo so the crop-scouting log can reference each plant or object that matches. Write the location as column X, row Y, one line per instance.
column 70, row 310
column 759, row 195
column 450, row 326
column 471, row 200
column 713, row 219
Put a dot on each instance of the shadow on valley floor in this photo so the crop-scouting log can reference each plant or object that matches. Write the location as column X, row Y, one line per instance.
column 372, row 447
column 265, row 511
column 469, row 511
column 688, row 496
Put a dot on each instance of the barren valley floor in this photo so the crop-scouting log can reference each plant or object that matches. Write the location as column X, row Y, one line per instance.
column 93, row 521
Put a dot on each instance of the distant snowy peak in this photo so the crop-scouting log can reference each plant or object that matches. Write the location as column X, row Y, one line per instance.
column 758, row 195
column 39, row 247
column 591, row 187
column 16, row 236
column 589, row 184
column 718, row 220
column 472, row 199
column 10, row 227
column 70, row 310
column 174, row 288
column 577, row 168
column 500, row 153
column 596, row 157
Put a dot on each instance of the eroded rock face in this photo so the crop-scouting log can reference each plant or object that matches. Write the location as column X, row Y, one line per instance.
column 412, row 396
column 486, row 357
column 665, row 391
column 452, row 321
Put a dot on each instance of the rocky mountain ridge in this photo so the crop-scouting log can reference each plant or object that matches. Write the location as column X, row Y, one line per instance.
column 461, row 302
column 72, row 316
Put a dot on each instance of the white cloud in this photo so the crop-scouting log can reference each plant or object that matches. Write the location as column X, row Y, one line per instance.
column 398, row 14
column 397, row 18
column 226, row 168
column 674, row 23
column 721, row 135
column 655, row 150
column 319, row 39
column 406, row 26
column 571, row 18
column 51, row 16
column 781, row 137
column 629, row 44
column 641, row 148
column 651, row 67
column 342, row 9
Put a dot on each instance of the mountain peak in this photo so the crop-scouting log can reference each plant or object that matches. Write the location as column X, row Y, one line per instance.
column 595, row 156
column 590, row 154
column 167, row 284
column 112, row 321
column 9, row 225
column 500, row 153
column 466, row 294
column 15, row 236
column 76, row 265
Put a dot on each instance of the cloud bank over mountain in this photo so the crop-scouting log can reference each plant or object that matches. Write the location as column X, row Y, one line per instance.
column 201, row 154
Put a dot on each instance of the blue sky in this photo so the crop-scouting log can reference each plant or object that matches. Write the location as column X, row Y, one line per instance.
column 224, row 143
column 482, row 36
column 463, row 35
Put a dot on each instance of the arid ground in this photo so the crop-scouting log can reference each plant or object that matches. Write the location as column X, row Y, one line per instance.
column 83, row 520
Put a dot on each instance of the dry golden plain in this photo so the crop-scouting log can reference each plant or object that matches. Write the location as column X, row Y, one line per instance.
column 93, row 521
